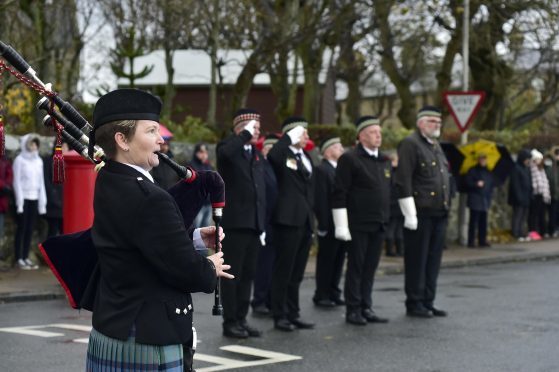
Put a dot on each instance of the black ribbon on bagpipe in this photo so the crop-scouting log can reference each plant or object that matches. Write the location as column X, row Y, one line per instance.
column 72, row 257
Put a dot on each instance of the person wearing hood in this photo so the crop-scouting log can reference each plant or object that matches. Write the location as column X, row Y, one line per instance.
column 541, row 196
column 30, row 197
column 520, row 190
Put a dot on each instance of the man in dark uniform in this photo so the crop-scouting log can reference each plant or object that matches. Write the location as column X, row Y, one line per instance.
column 241, row 166
column 422, row 181
column 263, row 277
column 331, row 251
column 292, row 221
column 362, row 197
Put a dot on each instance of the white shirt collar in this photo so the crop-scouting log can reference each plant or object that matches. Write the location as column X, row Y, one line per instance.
column 371, row 152
column 248, row 147
column 333, row 163
column 296, row 150
column 142, row 171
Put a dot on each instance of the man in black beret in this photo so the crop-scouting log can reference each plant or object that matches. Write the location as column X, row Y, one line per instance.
column 241, row 166
column 331, row 251
column 422, row 183
column 361, row 210
column 293, row 222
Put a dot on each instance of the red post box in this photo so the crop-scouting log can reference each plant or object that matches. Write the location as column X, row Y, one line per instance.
column 78, row 193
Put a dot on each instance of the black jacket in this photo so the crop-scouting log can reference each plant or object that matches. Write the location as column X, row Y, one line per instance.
column 423, row 173
column 363, row 187
column 295, row 191
column 520, row 183
column 479, row 198
column 55, row 192
column 147, row 262
column 271, row 191
column 324, row 189
column 245, row 189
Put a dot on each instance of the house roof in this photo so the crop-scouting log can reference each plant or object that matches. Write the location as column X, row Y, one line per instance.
column 193, row 67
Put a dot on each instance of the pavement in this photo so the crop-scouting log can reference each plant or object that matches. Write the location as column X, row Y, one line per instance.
column 21, row 285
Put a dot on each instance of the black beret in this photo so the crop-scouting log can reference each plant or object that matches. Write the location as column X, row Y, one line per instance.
column 292, row 122
column 126, row 104
column 245, row 114
column 429, row 111
column 366, row 121
column 327, row 142
column 270, row 139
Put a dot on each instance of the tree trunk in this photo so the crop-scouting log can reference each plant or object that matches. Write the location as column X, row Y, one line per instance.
column 169, row 84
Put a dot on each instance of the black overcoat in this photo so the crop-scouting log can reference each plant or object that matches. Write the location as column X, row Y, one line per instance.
column 479, row 198
column 363, row 187
column 294, row 206
column 148, row 265
column 245, row 187
column 324, row 189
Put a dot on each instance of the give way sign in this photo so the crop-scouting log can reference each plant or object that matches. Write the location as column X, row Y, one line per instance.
column 464, row 106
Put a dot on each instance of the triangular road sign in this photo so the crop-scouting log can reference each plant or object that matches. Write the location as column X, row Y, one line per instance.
column 464, row 106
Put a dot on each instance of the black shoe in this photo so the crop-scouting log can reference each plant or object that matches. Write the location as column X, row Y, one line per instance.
column 301, row 324
column 437, row 312
column 485, row 245
column 371, row 317
column 419, row 312
column 252, row 332
column 324, row 303
column 261, row 310
column 234, row 331
column 338, row 301
column 284, row 325
column 354, row 317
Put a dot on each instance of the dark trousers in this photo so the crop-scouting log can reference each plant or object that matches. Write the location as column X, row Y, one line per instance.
column 362, row 261
column 519, row 216
column 478, row 221
column 552, row 211
column 240, row 250
column 263, row 274
column 289, row 269
column 329, row 267
column 395, row 235
column 536, row 219
column 422, row 259
column 54, row 226
column 24, row 230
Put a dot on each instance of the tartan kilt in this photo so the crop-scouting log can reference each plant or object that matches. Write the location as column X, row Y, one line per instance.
column 106, row 354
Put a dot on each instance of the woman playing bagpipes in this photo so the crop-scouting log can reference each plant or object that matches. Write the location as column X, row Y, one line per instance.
column 142, row 313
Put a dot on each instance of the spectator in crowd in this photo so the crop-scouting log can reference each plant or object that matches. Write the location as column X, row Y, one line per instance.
column 30, row 196
column 520, row 192
column 331, row 251
column 6, row 190
column 423, row 184
column 395, row 230
column 261, row 298
column 244, row 219
column 479, row 181
column 54, row 195
column 552, row 172
column 293, row 222
column 164, row 175
column 200, row 162
column 541, row 196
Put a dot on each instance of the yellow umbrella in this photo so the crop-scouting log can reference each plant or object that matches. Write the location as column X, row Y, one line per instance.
column 473, row 150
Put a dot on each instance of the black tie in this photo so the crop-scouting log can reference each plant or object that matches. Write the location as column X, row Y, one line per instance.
column 304, row 171
column 247, row 153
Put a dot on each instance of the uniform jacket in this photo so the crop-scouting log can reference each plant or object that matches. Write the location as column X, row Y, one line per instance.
column 148, row 265
column 295, row 202
column 271, row 191
column 395, row 210
column 520, row 183
column 423, row 173
column 324, row 190
column 363, row 187
column 479, row 198
column 245, row 188
column 552, row 173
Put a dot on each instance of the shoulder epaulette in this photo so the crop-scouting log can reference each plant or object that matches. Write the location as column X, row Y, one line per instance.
column 142, row 184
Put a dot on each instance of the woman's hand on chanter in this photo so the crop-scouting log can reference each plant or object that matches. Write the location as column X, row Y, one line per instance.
column 220, row 266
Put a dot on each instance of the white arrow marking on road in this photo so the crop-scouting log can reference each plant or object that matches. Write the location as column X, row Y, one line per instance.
column 270, row 357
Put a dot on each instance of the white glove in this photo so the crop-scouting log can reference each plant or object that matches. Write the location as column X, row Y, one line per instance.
column 295, row 134
column 250, row 127
column 19, row 210
column 340, row 221
column 263, row 238
column 407, row 206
